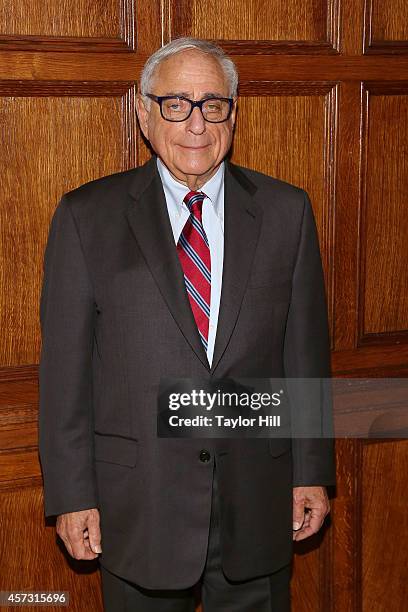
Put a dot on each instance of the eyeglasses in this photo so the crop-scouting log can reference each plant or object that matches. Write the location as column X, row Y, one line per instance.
column 178, row 108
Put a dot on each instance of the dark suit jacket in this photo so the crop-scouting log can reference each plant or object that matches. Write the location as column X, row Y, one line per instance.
column 116, row 318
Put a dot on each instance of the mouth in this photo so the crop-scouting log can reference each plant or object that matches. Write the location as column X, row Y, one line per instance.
column 194, row 147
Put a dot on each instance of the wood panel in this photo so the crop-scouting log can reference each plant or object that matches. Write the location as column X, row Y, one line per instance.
column 25, row 540
column 81, row 66
column 58, row 136
column 66, row 113
column 345, row 250
column 288, row 131
column 32, row 558
column 365, row 360
column 28, row 22
column 370, row 408
column 299, row 151
column 80, row 25
column 384, row 222
column 100, row 18
column 345, row 533
column 387, row 26
column 307, row 560
column 260, row 26
column 385, row 527
column 19, row 462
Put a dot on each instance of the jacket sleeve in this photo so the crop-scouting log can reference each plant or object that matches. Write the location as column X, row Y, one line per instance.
column 307, row 363
column 67, row 315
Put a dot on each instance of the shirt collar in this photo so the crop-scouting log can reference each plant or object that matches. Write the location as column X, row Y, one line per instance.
column 212, row 188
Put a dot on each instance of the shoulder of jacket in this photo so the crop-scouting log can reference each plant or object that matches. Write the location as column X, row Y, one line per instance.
column 107, row 195
column 264, row 181
column 270, row 192
column 100, row 186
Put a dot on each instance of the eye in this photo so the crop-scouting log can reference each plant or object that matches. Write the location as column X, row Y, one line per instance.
column 174, row 106
column 213, row 106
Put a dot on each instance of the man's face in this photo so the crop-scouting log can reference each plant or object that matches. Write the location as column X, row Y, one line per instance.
column 192, row 149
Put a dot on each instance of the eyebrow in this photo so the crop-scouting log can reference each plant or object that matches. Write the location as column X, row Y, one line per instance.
column 186, row 94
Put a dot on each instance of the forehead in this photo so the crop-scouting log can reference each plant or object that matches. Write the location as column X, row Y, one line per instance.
column 190, row 71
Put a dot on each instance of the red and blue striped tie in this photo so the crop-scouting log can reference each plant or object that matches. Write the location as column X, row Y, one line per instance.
column 194, row 254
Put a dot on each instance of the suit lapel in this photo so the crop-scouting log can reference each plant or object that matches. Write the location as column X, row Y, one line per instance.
column 149, row 220
column 242, row 222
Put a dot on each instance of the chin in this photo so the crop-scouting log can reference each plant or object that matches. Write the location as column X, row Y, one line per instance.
column 196, row 166
column 195, row 169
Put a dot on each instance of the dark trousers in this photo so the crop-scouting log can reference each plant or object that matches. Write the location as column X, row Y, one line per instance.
column 266, row 594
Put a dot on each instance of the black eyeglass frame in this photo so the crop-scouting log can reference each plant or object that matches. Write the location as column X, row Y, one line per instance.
column 199, row 104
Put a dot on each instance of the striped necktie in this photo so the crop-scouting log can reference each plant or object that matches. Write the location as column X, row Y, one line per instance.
column 194, row 254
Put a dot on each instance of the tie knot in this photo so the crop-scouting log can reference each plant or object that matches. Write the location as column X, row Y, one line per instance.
column 194, row 199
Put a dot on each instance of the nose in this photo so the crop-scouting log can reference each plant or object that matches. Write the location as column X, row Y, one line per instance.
column 196, row 122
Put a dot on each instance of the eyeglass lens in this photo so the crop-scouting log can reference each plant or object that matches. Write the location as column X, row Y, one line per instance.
column 177, row 109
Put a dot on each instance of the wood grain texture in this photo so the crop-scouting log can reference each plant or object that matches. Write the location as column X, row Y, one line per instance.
column 260, row 19
column 19, row 462
column 387, row 21
column 67, row 115
column 26, row 372
column 351, row 27
column 71, row 140
column 26, row 541
column 384, row 224
column 385, row 527
column 294, row 153
column 290, row 134
column 345, row 531
column 305, row 584
column 261, row 26
column 384, row 360
column 99, row 18
column 114, row 26
column 346, row 238
column 32, row 558
column 370, row 407
column 81, row 66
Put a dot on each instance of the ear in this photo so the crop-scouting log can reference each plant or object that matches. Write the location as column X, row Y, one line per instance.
column 234, row 111
column 142, row 115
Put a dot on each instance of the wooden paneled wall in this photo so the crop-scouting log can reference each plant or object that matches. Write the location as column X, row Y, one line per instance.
column 324, row 104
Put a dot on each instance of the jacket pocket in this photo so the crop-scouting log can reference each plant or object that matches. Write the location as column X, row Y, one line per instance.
column 115, row 449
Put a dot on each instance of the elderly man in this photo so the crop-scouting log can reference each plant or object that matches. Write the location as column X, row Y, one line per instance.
column 188, row 267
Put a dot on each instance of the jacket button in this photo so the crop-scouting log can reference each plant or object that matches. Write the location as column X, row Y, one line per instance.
column 205, row 456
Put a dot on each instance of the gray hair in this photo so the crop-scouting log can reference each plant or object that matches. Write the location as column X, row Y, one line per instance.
column 182, row 44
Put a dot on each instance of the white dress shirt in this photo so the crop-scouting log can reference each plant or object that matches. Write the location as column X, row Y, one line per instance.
column 213, row 223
